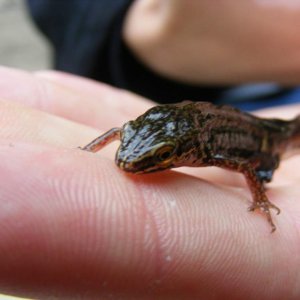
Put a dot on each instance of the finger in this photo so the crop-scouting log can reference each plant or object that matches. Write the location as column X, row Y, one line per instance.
column 28, row 125
column 108, row 120
column 25, row 124
column 103, row 107
column 73, row 225
column 283, row 112
column 124, row 103
column 19, row 123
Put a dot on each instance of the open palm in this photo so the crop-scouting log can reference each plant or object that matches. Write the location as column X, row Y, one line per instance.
column 73, row 225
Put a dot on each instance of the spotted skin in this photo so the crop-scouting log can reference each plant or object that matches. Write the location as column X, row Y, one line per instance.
column 199, row 134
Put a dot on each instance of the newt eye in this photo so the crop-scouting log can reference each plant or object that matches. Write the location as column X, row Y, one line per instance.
column 164, row 153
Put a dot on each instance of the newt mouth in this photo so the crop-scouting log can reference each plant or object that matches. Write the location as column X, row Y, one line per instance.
column 134, row 169
column 129, row 167
column 125, row 166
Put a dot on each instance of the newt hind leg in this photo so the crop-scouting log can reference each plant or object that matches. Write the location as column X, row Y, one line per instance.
column 255, row 183
column 260, row 199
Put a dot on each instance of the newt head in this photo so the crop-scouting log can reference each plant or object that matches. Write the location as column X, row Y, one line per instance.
column 150, row 142
column 138, row 154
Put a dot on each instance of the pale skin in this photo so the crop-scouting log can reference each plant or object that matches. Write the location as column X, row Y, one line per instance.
column 73, row 224
column 217, row 42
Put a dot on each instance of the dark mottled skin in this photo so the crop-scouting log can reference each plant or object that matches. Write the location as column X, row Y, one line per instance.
column 201, row 134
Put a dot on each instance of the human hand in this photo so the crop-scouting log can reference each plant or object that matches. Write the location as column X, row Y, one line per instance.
column 75, row 226
column 213, row 42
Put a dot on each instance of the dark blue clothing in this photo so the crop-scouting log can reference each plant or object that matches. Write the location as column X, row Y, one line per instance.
column 79, row 30
column 86, row 36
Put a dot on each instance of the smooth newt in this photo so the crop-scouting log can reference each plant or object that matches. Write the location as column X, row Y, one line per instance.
column 200, row 134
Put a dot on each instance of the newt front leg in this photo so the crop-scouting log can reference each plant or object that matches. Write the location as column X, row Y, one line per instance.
column 103, row 140
column 256, row 186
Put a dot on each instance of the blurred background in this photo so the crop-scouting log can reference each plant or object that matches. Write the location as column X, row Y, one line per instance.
column 21, row 45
